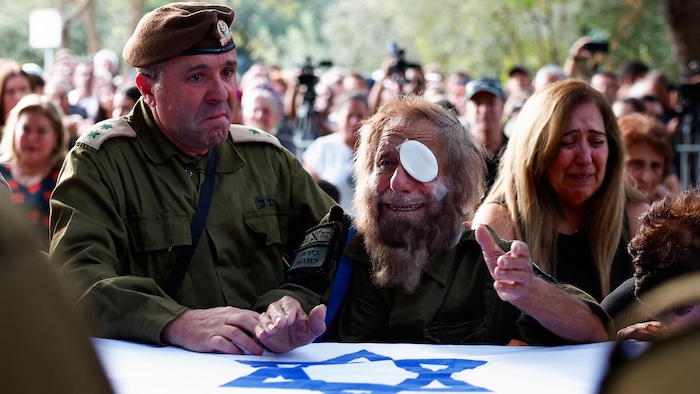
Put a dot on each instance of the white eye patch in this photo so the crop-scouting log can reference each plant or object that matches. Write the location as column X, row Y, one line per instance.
column 418, row 161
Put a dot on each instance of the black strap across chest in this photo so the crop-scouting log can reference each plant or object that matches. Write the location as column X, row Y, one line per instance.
column 196, row 228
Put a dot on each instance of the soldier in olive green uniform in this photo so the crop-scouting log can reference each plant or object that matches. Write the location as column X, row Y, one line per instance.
column 413, row 271
column 127, row 194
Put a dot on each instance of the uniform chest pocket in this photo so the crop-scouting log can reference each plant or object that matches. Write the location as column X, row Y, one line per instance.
column 265, row 225
column 157, row 232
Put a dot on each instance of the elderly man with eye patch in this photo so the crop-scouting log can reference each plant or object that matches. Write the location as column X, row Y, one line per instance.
column 405, row 268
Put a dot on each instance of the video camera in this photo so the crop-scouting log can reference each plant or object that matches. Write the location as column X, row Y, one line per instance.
column 399, row 66
column 309, row 79
column 307, row 119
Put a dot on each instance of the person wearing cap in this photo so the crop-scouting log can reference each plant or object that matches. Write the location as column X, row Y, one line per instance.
column 418, row 274
column 483, row 112
column 170, row 224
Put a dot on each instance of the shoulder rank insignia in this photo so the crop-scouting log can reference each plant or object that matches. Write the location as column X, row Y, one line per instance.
column 102, row 131
column 242, row 133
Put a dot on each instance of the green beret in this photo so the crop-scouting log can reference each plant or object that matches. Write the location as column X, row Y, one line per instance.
column 180, row 29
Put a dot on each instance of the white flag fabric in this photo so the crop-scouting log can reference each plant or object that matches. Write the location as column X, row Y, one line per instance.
column 357, row 368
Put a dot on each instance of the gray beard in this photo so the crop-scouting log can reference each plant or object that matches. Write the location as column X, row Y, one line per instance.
column 400, row 248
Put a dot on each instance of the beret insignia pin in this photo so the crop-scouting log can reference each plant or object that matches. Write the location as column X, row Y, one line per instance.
column 225, row 35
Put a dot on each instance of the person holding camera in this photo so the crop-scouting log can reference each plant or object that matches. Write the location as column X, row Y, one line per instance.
column 399, row 78
column 584, row 58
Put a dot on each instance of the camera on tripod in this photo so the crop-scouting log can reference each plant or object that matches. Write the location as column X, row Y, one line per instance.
column 307, row 119
column 309, row 79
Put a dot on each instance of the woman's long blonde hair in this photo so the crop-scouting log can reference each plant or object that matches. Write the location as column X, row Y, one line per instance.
column 522, row 182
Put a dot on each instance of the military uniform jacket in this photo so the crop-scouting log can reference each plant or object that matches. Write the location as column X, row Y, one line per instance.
column 121, row 214
column 454, row 304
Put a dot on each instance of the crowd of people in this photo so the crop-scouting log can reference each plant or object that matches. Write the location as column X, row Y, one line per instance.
column 191, row 205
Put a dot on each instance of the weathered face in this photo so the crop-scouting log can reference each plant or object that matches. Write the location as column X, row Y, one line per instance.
column 194, row 102
column 401, row 194
column 578, row 170
column 411, row 215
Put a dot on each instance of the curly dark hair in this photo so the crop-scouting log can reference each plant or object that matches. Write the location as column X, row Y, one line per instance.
column 667, row 243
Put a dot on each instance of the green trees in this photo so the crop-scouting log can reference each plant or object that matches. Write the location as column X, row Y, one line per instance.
column 483, row 37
